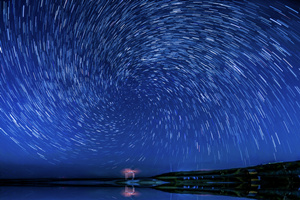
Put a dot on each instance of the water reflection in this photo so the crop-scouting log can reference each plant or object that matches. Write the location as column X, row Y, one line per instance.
column 92, row 193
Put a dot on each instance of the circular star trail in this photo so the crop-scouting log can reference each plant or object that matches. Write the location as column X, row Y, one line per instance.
column 162, row 83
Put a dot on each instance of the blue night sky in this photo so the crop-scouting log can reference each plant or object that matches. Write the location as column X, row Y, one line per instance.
column 88, row 88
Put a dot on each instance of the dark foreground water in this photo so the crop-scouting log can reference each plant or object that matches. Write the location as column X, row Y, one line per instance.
column 93, row 193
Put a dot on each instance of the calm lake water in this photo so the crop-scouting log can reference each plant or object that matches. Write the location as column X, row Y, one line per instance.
column 94, row 193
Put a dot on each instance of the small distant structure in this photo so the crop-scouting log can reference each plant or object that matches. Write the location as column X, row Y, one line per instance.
column 129, row 173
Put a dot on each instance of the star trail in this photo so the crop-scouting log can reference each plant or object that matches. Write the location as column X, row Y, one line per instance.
column 152, row 85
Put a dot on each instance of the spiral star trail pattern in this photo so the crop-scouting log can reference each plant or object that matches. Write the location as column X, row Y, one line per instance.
column 155, row 85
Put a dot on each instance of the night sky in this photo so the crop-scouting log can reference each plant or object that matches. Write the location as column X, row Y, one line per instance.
column 88, row 88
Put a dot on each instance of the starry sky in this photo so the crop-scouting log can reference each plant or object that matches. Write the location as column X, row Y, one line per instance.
column 88, row 88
